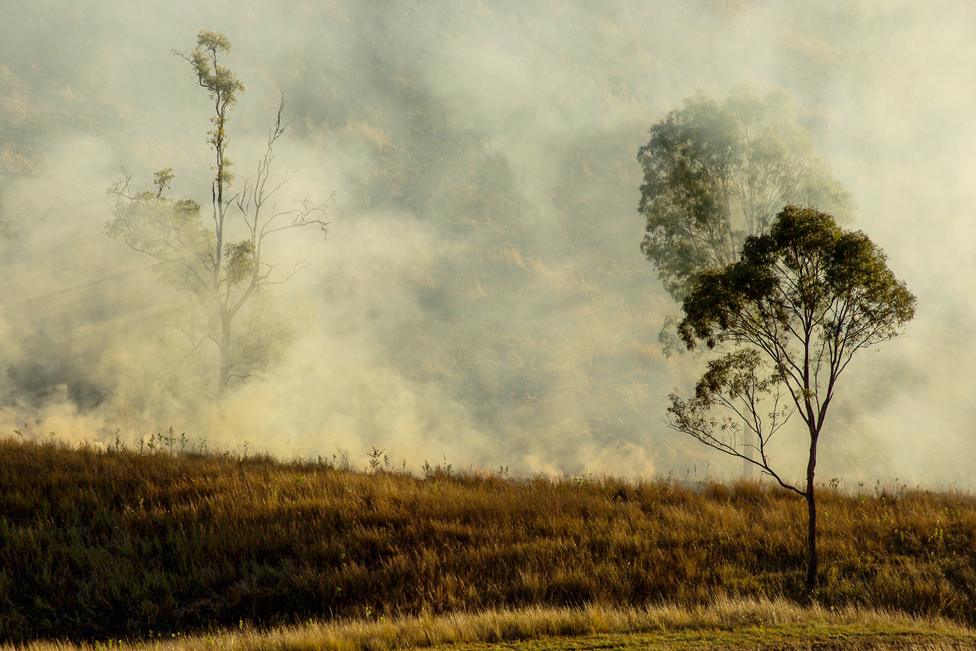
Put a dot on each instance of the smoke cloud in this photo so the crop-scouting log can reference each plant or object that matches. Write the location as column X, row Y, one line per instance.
column 481, row 295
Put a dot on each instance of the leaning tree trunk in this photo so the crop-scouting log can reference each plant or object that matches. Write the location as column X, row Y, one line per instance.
column 812, row 560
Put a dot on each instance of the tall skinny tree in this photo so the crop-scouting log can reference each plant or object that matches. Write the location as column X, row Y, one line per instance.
column 793, row 312
column 221, row 261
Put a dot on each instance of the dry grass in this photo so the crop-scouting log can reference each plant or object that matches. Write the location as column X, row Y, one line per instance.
column 735, row 624
column 99, row 545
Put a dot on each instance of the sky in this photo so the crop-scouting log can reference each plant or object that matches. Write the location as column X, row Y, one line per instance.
column 480, row 297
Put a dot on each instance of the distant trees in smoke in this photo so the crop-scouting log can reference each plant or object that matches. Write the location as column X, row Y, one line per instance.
column 217, row 256
column 715, row 173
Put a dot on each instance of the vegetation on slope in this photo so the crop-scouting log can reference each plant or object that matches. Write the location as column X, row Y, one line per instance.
column 120, row 544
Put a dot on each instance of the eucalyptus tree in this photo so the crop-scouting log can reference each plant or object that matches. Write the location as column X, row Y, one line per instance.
column 716, row 173
column 792, row 313
column 217, row 256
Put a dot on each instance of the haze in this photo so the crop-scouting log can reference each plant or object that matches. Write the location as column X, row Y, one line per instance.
column 481, row 296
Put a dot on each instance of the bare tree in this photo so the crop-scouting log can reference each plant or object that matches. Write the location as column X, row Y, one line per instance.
column 222, row 264
column 753, row 407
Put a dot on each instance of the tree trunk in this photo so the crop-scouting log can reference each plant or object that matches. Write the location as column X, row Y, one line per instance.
column 812, row 560
column 224, row 377
column 748, row 467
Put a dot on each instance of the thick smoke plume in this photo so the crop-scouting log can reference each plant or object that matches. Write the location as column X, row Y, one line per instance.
column 481, row 295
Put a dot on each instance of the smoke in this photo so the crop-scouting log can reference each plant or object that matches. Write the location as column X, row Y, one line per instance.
column 481, row 295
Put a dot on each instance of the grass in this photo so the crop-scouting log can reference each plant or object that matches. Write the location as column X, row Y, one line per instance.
column 119, row 544
column 723, row 624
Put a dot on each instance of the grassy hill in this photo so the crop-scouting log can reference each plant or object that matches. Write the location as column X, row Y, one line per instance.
column 118, row 543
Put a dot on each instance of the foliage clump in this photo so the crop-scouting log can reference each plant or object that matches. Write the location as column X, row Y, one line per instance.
column 716, row 173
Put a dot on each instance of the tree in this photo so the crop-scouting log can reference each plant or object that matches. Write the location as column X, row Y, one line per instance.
column 219, row 262
column 794, row 310
column 715, row 174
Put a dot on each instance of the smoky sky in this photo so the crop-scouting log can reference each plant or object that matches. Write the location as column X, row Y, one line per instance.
column 481, row 296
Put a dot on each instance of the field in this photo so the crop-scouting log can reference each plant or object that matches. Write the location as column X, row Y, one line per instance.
column 725, row 624
column 118, row 544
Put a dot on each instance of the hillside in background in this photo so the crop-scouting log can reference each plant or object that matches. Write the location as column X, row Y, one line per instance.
column 118, row 543
column 481, row 293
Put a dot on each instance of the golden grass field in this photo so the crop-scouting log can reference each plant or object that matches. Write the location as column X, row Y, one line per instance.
column 741, row 624
column 118, row 544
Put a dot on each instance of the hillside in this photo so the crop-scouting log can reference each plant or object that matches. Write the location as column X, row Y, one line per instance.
column 121, row 543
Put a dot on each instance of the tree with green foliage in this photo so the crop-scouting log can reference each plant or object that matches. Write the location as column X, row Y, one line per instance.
column 795, row 308
column 716, row 173
column 221, row 261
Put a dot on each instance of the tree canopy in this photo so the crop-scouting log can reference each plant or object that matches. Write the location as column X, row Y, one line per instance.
column 807, row 286
column 716, row 173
